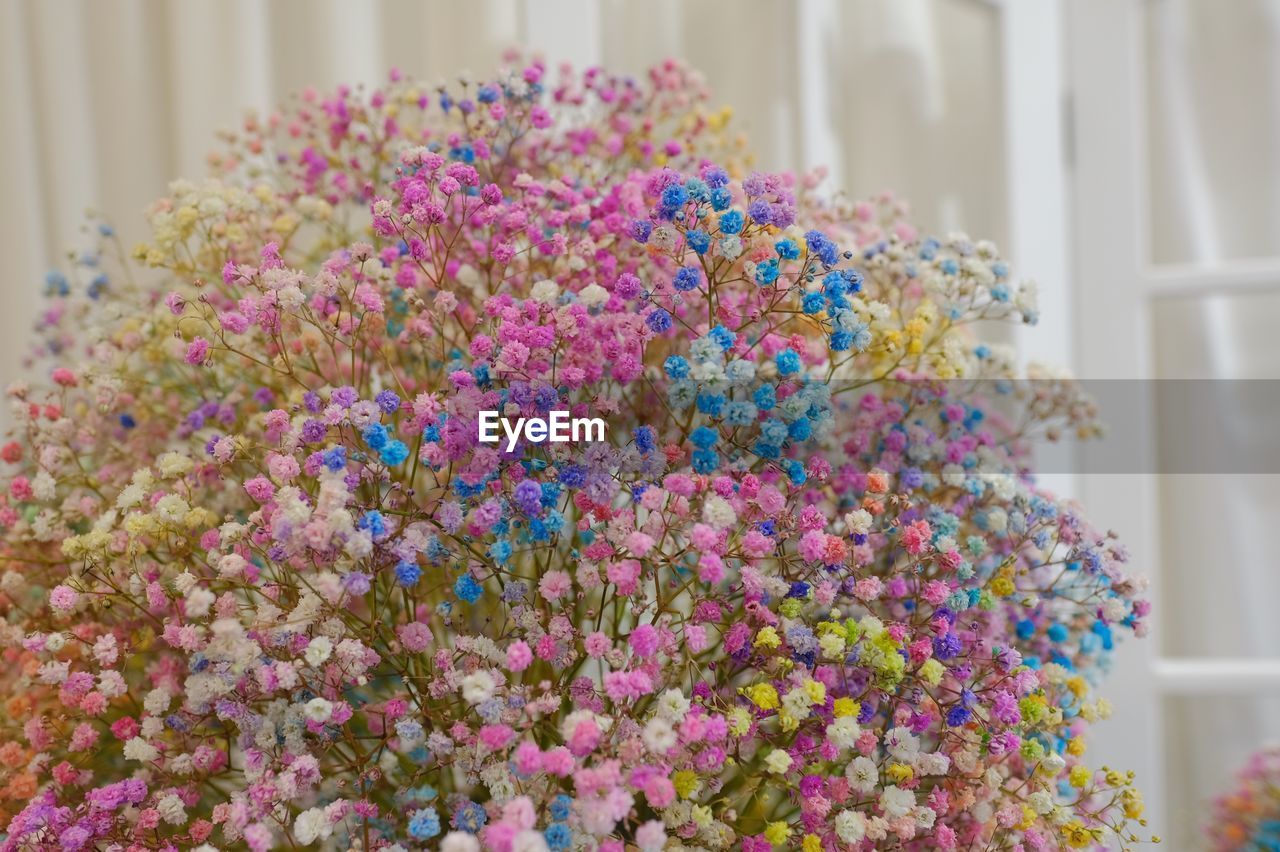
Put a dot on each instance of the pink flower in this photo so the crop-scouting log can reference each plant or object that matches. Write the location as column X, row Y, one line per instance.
column 597, row 644
column 554, row 585
column 415, row 636
column 64, row 598
column 519, row 656
column 644, row 640
column 260, row 489
column 197, row 351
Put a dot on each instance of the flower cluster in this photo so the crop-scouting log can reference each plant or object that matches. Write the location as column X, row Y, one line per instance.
column 263, row 587
column 1248, row 818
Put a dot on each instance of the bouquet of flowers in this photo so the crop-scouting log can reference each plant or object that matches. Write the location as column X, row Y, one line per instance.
column 268, row 583
column 1248, row 818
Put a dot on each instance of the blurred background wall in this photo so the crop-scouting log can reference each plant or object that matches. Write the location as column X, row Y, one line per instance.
column 1126, row 153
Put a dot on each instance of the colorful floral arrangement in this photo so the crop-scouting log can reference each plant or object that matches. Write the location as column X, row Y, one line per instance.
column 1248, row 818
column 264, row 587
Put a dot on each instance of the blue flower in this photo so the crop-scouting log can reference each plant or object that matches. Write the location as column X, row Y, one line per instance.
column 388, row 402
column 374, row 523
column 765, row 397
column 723, row 337
column 767, row 272
column 375, row 435
column 705, row 461
column 787, row 250
column 703, row 438
column 676, row 367
column 720, row 198
column 731, row 222
column 687, row 278
column 424, row 824
column 823, row 247
column 470, row 817
column 813, row 303
column 674, row 197
column 658, row 320
column 394, row 453
column 558, row 836
column 788, row 362
column 646, row 439
column 468, row 589
column 408, row 573
column 699, row 241
column 560, row 807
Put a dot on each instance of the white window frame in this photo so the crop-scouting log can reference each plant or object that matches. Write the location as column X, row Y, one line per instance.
column 1116, row 283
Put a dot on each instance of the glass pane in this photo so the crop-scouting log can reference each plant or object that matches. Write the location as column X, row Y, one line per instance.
column 1207, row 740
column 1213, row 115
column 1218, row 570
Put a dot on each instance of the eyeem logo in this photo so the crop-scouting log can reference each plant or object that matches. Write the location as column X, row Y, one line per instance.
column 559, row 428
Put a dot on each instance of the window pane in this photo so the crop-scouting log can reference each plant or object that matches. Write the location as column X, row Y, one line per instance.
column 1218, row 570
column 1213, row 129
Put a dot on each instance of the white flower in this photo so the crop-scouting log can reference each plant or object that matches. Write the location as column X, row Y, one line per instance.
column 318, row 650
column 844, row 732
column 717, row 512
column 173, row 465
column 858, row 522
column 863, row 775
column 310, row 826
column 172, row 810
column 318, row 709
column 231, row 565
column 545, row 291
column 902, row 744
column 896, row 802
column 478, row 687
column 851, row 826
column 157, row 701
column 140, row 750
column 673, row 705
column 932, row 763
column 529, row 841
column 1041, row 802
column 198, row 603
column 778, row 761
column 593, row 295
column 659, row 736
column 459, row 841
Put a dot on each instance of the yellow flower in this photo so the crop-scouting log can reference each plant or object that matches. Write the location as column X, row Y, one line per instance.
column 777, row 832
column 1002, row 587
column 812, row 843
column 899, row 773
column 763, row 695
column 1076, row 746
column 686, row 783
column 1076, row 835
column 1132, row 800
column 1079, row 775
column 845, row 707
column 767, row 638
column 931, row 672
column 816, row 691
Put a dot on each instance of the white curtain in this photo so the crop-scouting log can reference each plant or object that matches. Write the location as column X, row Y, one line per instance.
column 1213, row 127
column 106, row 100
